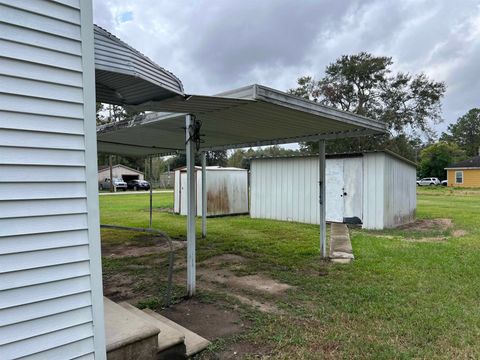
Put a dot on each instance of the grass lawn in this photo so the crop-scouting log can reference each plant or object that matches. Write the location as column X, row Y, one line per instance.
column 408, row 294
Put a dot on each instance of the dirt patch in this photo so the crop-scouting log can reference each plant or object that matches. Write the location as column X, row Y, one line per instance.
column 119, row 287
column 459, row 233
column 225, row 259
column 163, row 210
column 428, row 239
column 120, row 250
column 257, row 283
column 244, row 349
column 428, row 224
column 262, row 306
column 207, row 320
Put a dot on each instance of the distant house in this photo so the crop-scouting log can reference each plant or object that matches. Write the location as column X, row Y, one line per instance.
column 119, row 171
column 465, row 173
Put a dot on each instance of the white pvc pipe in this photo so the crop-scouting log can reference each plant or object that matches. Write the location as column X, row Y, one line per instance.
column 191, row 209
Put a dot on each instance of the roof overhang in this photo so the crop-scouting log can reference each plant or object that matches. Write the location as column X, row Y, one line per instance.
column 124, row 76
column 463, row 168
column 251, row 116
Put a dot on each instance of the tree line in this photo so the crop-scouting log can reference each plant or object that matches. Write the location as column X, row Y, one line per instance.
column 364, row 84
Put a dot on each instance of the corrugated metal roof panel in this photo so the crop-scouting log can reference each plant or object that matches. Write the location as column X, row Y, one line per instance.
column 250, row 116
column 124, row 76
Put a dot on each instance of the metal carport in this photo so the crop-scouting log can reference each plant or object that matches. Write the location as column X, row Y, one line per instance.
column 251, row 116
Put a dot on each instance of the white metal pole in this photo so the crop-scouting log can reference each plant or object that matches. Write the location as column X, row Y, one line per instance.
column 191, row 207
column 204, row 195
column 322, row 202
column 151, row 191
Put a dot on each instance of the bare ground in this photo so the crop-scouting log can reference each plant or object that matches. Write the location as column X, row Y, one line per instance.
column 428, row 224
column 118, row 251
column 207, row 320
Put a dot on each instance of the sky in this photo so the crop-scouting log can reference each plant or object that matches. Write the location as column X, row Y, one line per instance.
column 218, row 45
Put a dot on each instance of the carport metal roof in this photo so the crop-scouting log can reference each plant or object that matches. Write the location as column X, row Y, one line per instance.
column 251, row 116
column 124, row 76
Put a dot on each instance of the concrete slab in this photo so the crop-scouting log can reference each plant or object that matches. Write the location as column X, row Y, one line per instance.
column 168, row 336
column 340, row 246
column 128, row 336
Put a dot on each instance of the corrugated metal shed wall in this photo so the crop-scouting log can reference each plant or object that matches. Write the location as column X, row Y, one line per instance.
column 45, row 268
column 400, row 192
column 373, row 190
column 227, row 192
column 287, row 189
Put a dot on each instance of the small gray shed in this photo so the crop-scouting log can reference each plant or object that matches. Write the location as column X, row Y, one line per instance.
column 226, row 191
column 376, row 189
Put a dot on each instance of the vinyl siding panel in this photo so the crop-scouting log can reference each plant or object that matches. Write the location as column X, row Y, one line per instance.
column 46, row 304
column 33, row 191
column 26, row 120
column 63, row 344
column 44, row 308
column 49, row 240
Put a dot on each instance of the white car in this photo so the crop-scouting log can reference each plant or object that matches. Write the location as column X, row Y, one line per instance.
column 118, row 183
column 428, row 181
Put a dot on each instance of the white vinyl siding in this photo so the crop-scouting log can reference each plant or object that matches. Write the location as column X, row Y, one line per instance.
column 46, row 306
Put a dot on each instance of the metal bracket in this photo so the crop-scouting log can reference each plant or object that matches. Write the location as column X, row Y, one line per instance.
column 194, row 133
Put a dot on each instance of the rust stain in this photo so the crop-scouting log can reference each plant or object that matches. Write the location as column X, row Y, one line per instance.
column 218, row 202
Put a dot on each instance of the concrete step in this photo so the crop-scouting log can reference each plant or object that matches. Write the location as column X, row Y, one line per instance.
column 340, row 246
column 171, row 342
column 194, row 343
column 128, row 336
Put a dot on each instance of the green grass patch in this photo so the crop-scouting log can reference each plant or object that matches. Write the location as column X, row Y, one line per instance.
column 399, row 299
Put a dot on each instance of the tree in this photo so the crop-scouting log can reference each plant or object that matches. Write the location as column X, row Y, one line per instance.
column 364, row 84
column 113, row 113
column 214, row 158
column 466, row 132
column 436, row 157
column 241, row 158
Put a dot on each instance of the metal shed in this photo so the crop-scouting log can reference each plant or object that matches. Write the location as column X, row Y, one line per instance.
column 376, row 189
column 227, row 191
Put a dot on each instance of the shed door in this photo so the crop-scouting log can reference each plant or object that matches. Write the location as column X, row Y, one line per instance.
column 353, row 188
column 334, row 190
column 183, row 193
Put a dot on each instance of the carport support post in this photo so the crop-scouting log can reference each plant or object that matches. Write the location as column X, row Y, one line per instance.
column 322, row 202
column 191, row 207
column 151, row 191
column 204, row 195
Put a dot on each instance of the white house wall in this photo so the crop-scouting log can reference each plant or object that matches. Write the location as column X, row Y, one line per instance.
column 50, row 277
